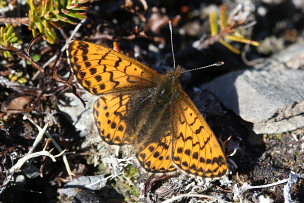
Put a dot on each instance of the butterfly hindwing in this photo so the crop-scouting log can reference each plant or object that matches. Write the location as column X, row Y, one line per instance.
column 156, row 156
column 101, row 70
column 109, row 112
column 195, row 147
column 111, row 115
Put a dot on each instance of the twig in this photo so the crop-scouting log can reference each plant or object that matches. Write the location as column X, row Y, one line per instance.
column 192, row 195
column 52, row 75
column 249, row 187
column 238, row 192
column 33, row 41
column 42, row 131
column 27, row 157
column 15, row 21
column 21, row 162
column 293, row 178
column 22, row 55
column 64, row 157
column 39, row 136
column 73, row 34
column 66, row 44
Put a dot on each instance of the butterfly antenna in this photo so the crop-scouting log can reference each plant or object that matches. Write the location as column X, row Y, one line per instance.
column 203, row 67
column 171, row 39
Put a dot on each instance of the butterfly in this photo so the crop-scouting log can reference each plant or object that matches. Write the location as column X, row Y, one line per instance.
column 150, row 111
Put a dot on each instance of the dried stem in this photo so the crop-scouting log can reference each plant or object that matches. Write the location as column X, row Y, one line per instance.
column 22, row 55
column 15, row 21
column 42, row 131
column 192, row 195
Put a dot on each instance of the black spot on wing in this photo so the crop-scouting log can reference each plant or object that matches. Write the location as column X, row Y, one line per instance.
column 104, row 57
column 98, row 78
column 117, row 62
column 198, row 131
column 85, row 58
column 87, row 64
column 93, row 71
column 84, row 47
column 82, row 74
column 112, row 80
column 102, row 86
column 156, row 154
column 151, row 148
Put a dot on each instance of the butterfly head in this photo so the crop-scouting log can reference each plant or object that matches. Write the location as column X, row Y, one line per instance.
column 169, row 86
column 175, row 74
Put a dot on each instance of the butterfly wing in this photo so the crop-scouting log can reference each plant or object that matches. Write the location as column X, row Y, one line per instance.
column 195, row 147
column 101, row 70
column 156, row 156
column 111, row 112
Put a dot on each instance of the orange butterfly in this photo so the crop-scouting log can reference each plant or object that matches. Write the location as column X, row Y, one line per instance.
column 147, row 110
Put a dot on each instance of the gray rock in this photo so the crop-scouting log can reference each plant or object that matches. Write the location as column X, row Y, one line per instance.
column 90, row 182
column 81, row 117
column 272, row 98
column 290, row 58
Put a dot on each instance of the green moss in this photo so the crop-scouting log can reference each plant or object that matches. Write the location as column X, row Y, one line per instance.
column 126, row 184
column 127, row 189
column 131, row 172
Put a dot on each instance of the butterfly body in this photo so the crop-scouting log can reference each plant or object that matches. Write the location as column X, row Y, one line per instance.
column 150, row 111
column 147, row 110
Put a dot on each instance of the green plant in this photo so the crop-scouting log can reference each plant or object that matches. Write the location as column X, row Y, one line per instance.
column 228, row 29
column 47, row 15
column 8, row 37
column 3, row 4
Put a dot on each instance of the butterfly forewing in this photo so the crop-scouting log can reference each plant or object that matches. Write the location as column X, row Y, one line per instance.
column 101, row 70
